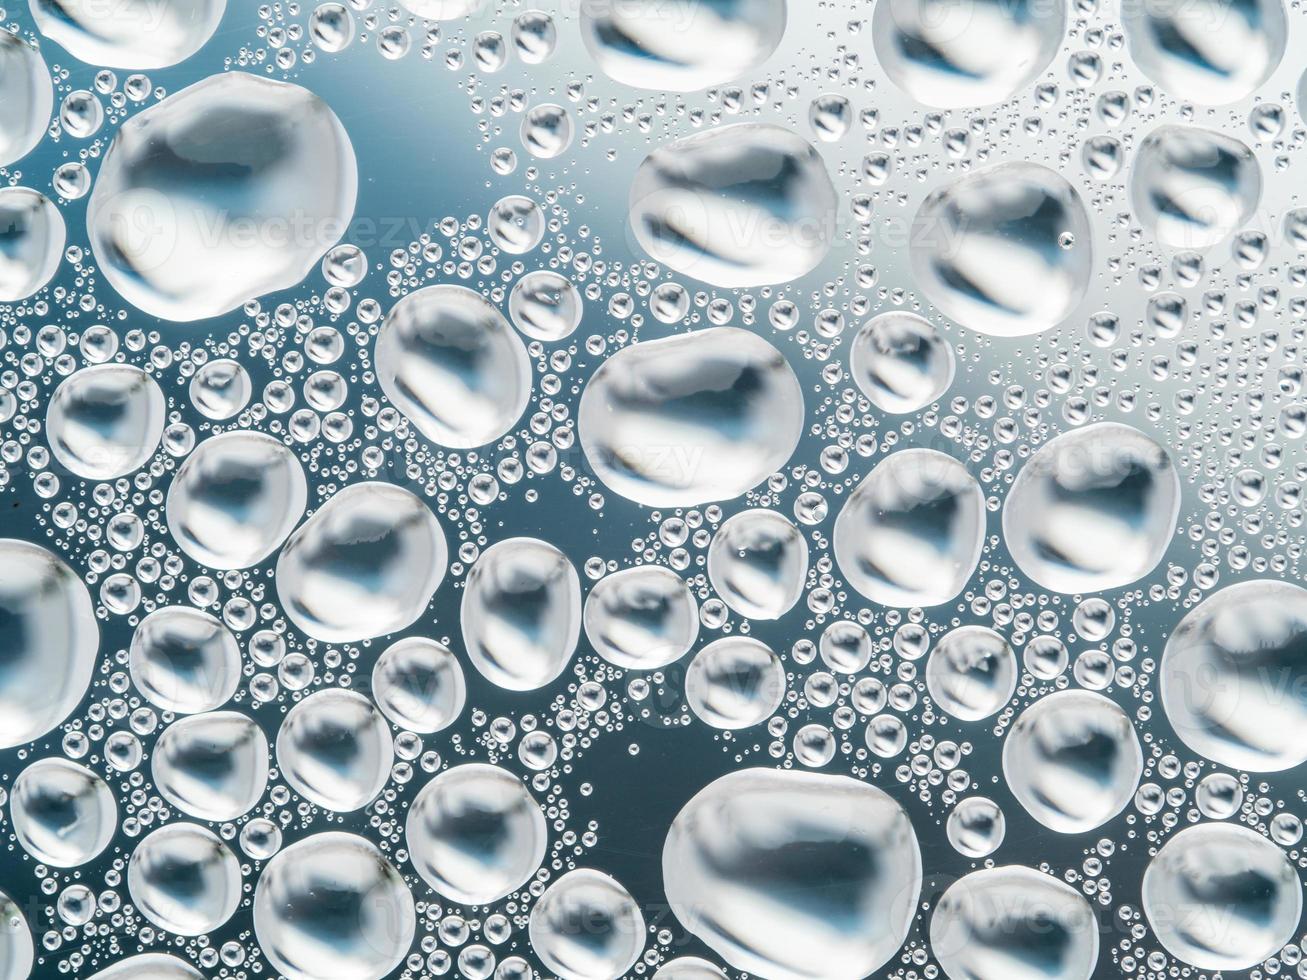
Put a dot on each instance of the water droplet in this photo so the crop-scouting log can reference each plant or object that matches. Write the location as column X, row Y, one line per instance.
column 142, row 34
column 641, row 618
column 26, row 98
column 184, row 660
column 32, row 236
column 586, row 926
column 334, row 748
column 735, row 682
column 758, row 564
column 900, row 362
column 971, row 673
column 213, row 766
column 418, row 684
column 184, row 880
column 62, row 813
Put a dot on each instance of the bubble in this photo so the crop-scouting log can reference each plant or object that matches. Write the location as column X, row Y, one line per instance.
column 758, row 564
column 1014, row 923
column 475, row 834
column 331, row 905
column 49, row 640
column 230, row 188
column 1193, row 188
column 671, row 47
column 1218, row 796
column 690, row 419
column 418, row 684
column 184, row 880
column 1073, row 760
column 735, row 682
column 521, row 613
column 545, row 306
column 1004, row 251
column 956, row 55
column 1231, row 676
column 334, row 749
column 900, row 362
column 911, row 534
column 213, row 766
column 184, row 660
column 744, row 205
column 235, row 499
column 794, row 875
column 449, row 361
column 1092, row 509
column 26, row 98
column 1209, row 51
column 144, row 34
column 1221, row 897
column 641, row 618
column 586, row 926
column 149, row 966
column 32, row 237
column 62, row 814
column 971, row 673
column 516, row 224
column 366, row 563
column 976, row 827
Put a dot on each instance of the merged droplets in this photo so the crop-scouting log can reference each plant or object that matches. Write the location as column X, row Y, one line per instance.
column 142, row 34
column 758, row 563
column 971, row 673
column 418, row 684
column 184, row 660
column 1073, row 760
column 49, row 639
column 641, row 618
column 794, row 875
column 672, row 47
column 1212, row 52
column 1192, row 188
column 521, row 613
column 735, row 682
column 26, row 98
column 32, row 236
column 1014, row 923
column 332, row 905
column 236, row 499
column 1004, row 251
column 745, row 205
column 213, row 766
column 1221, row 897
column 900, row 362
column 950, row 55
column 226, row 190
column 475, row 834
column 1233, row 676
column 912, row 532
column 62, row 813
column 586, row 926
column 334, row 748
column 365, row 564
column 448, row 360
column 1092, row 509
column 691, row 419
column 105, row 421
column 184, row 879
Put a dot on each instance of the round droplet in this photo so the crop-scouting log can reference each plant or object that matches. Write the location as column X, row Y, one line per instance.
column 545, row 306
column 184, row 879
column 62, row 814
column 226, row 190
column 1004, row 251
column 144, row 34
column 418, row 684
column 546, row 131
column 220, row 389
column 1073, row 760
column 26, row 98
column 912, row 532
column 1221, row 897
column 105, row 421
column 365, row 564
column 1093, row 509
column 971, row 673
column 691, row 419
column 641, row 618
column 735, row 682
column 475, row 834
column 976, row 827
column 334, row 749
column 586, row 926
column 521, row 613
column 49, row 639
column 213, row 766
column 900, row 362
column 794, row 875
column 331, row 905
column 450, row 362
column 516, row 224
column 184, row 660
column 32, row 236
column 758, row 564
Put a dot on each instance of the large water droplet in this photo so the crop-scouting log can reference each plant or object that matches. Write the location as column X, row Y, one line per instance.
column 521, row 613
column 794, row 875
column 691, row 419
column 641, row 618
column 735, row 682
column 450, row 362
column 184, row 880
column 184, row 660
column 26, row 98
column 144, row 34
column 418, row 684
column 475, row 834
column 366, row 563
column 586, row 926
column 681, row 47
column 334, row 748
column 900, row 362
column 32, row 236
column 744, row 205
column 49, row 639
column 912, row 532
column 230, row 188
column 213, row 766
column 758, row 563
column 1072, row 759
column 971, row 673
column 443, row 9
column 105, row 421
column 149, row 966
column 688, row 968
column 62, row 814
column 331, row 905
column 1222, row 897
column 1004, row 251
column 16, row 949
column 1093, row 509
